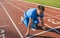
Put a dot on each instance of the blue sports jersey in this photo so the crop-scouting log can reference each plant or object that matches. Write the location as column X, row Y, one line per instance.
column 32, row 13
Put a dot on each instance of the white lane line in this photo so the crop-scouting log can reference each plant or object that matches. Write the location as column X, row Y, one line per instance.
column 2, row 31
column 14, row 6
column 2, row 35
column 22, row 11
column 12, row 21
column 3, row 25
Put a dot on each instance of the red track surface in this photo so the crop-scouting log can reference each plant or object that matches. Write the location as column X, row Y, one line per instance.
column 16, row 10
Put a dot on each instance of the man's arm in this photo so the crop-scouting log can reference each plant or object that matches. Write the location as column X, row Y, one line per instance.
column 29, row 25
column 42, row 22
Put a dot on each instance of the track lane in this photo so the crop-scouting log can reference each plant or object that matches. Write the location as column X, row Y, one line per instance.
column 24, row 8
column 53, row 33
column 50, row 10
column 10, row 31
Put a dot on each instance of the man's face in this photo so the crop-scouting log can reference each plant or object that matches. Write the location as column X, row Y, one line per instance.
column 39, row 11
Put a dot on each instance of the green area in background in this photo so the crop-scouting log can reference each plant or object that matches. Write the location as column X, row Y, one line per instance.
column 54, row 3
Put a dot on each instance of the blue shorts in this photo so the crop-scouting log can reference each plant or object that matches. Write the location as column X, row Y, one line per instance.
column 26, row 21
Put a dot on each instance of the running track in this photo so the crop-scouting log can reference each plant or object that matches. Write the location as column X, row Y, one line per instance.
column 10, row 13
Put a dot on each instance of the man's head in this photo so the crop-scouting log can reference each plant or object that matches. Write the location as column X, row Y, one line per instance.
column 40, row 9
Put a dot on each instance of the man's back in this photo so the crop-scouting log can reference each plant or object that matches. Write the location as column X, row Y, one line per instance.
column 31, row 13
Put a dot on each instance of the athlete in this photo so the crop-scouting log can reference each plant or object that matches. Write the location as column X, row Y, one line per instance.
column 30, row 18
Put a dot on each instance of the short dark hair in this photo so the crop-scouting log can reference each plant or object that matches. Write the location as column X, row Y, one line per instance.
column 40, row 7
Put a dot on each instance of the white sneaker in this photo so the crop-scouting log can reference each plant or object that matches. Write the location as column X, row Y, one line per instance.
column 33, row 29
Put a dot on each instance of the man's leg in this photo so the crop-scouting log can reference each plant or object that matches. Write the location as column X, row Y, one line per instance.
column 25, row 21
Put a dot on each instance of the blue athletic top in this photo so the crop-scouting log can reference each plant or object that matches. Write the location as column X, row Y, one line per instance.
column 32, row 13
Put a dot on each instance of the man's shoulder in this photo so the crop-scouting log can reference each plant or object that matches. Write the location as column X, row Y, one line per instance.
column 30, row 11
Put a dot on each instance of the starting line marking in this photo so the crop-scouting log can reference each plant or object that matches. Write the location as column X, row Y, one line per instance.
column 53, row 21
column 2, row 33
column 3, row 26
column 49, row 19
